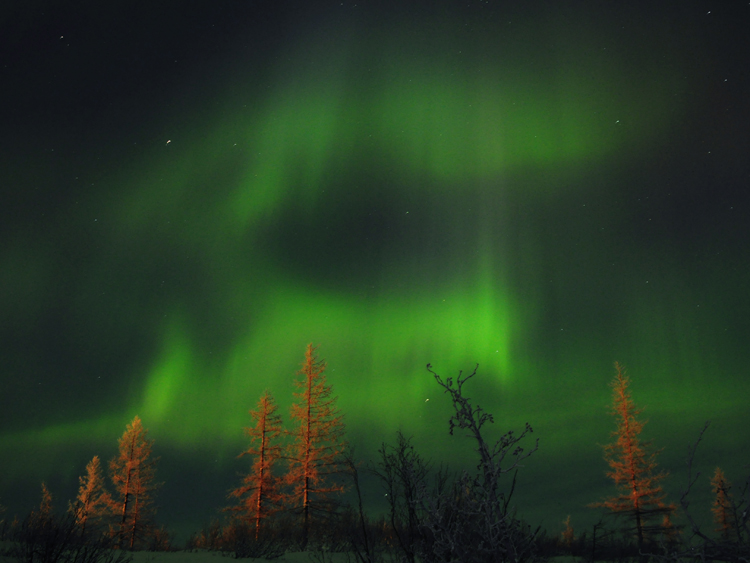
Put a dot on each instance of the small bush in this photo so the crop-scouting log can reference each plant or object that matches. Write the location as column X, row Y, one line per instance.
column 47, row 538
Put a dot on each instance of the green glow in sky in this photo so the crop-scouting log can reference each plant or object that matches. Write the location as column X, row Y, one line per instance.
column 396, row 199
column 437, row 136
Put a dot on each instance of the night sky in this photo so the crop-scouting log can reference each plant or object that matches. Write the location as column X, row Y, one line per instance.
column 190, row 192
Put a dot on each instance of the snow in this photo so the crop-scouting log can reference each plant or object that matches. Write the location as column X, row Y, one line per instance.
column 199, row 556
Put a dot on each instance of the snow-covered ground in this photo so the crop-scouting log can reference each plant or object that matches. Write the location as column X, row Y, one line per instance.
column 216, row 557
column 199, row 557
column 211, row 557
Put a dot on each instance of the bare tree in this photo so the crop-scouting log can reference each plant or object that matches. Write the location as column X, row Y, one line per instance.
column 44, row 537
column 359, row 535
column 58, row 539
column 404, row 474
column 471, row 521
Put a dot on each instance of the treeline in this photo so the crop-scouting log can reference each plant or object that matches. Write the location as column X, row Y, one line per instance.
column 102, row 522
column 639, row 521
column 292, row 497
column 293, row 490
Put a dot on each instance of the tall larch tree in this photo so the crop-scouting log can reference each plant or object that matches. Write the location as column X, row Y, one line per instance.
column 93, row 503
column 259, row 496
column 132, row 473
column 315, row 454
column 633, row 466
column 722, row 508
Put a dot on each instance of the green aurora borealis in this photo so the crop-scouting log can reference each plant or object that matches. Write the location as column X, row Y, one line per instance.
column 542, row 191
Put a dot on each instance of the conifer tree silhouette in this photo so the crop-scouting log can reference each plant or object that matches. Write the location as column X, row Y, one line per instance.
column 93, row 503
column 633, row 466
column 132, row 473
column 45, row 506
column 722, row 507
column 259, row 496
column 567, row 536
column 315, row 454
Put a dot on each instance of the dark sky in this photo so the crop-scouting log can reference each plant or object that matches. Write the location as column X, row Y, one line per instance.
column 193, row 191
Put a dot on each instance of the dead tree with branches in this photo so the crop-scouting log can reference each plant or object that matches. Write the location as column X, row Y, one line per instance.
column 471, row 521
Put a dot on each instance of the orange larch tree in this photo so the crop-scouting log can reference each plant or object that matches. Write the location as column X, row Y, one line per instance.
column 315, row 454
column 259, row 496
column 633, row 466
column 132, row 473
column 40, row 518
column 44, row 513
column 568, row 536
column 723, row 507
column 93, row 503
